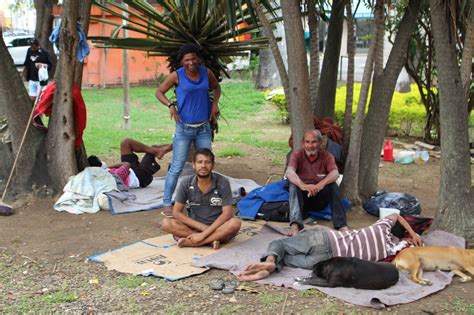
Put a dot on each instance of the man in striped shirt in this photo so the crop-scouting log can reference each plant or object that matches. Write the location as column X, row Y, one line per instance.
column 304, row 250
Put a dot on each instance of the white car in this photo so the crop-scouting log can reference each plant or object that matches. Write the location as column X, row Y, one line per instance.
column 18, row 46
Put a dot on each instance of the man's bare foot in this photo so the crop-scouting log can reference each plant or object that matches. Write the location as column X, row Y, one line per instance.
column 343, row 229
column 184, row 242
column 167, row 211
column 160, row 151
column 216, row 245
column 294, row 230
column 257, row 271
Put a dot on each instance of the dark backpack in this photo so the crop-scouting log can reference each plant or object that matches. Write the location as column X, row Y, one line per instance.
column 275, row 211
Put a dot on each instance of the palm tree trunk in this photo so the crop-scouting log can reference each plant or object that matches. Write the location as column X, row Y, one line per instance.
column 17, row 106
column 272, row 43
column 328, row 80
column 301, row 118
column 350, row 81
column 376, row 120
column 313, row 25
column 467, row 53
column 456, row 197
column 61, row 133
column 349, row 185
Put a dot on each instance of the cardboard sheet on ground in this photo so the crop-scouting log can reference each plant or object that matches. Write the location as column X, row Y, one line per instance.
column 236, row 258
column 161, row 257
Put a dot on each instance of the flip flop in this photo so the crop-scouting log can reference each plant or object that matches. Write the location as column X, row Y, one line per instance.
column 216, row 284
column 230, row 286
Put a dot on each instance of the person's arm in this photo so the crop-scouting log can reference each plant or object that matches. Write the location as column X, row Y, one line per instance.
column 226, row 215
column 416, row 239
column 179, row 215
column 164, row 87
column 216, row 88
column 24, row 72
column 116, row 165
column 296, row 180
column 330, row 178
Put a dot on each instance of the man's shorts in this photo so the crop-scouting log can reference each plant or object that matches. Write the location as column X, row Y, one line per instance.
column 145, row 169
column 34, row 88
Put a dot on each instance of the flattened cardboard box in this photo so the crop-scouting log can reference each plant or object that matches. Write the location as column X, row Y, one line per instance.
column 161, row 257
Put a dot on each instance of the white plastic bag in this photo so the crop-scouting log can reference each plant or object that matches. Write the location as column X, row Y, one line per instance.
column 43, row 74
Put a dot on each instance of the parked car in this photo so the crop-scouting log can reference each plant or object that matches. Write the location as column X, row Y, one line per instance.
column 18, row 46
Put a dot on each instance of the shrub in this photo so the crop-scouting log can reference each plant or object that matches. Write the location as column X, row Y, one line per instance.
column 407, row 113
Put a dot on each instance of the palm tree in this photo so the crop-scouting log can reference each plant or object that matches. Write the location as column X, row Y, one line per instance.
column 210, row 24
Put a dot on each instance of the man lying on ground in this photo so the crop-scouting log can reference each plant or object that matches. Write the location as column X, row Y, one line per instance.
column 208, row 200
column 304, row 250
column 133, row 172
column 312, row 173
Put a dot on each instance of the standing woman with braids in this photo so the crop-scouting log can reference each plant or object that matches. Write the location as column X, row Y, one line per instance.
column 192, row 112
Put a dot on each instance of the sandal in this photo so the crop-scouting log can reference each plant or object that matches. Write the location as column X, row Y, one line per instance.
column 230, row 286
column 216, row 284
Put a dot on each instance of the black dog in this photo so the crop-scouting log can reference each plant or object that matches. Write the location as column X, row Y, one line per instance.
column 352, row 273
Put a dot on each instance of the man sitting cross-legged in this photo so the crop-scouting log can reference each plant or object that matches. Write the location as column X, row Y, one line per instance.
column 208, row 200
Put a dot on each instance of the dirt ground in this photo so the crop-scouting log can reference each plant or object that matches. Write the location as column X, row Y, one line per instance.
column 44, row 265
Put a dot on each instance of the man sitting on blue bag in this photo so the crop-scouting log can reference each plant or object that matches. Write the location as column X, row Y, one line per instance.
column 312, row 173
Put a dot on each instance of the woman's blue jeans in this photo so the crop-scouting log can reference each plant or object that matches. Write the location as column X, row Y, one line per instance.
column 184, row 136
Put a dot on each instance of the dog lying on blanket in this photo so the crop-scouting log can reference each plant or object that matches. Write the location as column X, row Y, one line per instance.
column 446, row 258
column 352, row 273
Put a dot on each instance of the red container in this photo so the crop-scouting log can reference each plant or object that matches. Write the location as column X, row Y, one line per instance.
column 388, row 151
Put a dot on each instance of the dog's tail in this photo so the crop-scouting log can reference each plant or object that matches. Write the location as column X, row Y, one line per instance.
column 316, row 281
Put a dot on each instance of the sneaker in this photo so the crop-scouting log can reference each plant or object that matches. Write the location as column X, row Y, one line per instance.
column 167, row 211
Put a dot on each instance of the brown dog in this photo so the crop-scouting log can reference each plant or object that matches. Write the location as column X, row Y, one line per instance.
column 447, row 258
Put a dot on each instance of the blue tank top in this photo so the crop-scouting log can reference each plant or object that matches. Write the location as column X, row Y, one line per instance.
column 194, row 104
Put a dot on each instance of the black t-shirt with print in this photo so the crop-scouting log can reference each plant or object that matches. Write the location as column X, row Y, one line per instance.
column 33, row 57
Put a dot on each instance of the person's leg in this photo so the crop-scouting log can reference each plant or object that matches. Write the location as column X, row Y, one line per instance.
column 203, row 138
column 181, row 143
column 33, row 89
column 332, row 195
column 222, row 234
column 129, row 146
column 176, row 227
column 296, row 206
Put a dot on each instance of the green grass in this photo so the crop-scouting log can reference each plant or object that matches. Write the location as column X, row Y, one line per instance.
column 312, row 292
column 176, row 309
column 59, row 297
column 459, row 305
column 268, row 299
column 230, row 309
column 129, row 282
column 150, row 120
column 230, row 152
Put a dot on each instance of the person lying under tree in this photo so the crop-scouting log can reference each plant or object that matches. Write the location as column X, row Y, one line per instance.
column 133, row 172
column 304, row 250
column 208, row 200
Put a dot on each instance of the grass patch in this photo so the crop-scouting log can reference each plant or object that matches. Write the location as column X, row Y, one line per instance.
column 313, row 292
column 278, row 161
column 26, row 304
column 268, row 299
column 176, row 309
column 130, row 282
column 150, row 120
column 58, row 297
column 459, row 305
column 230, row 309
column 230, row 152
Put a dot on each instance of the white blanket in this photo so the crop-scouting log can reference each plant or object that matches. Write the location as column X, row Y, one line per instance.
column 81, row 191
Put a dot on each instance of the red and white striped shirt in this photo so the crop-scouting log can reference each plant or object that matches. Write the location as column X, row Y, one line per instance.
column 371, row 243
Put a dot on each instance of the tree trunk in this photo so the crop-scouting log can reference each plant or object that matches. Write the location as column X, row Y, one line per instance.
column 17, row 106
column 44, row 27
column 328, row 80
column 376, row 120
column 267, row 75
column 455, row 209
column 467, row 54
column 272, row 42
column 350, row 81
column 84, row 14
column 313, row 52
column 349, row 185
column 61, row 133
column 300, row 111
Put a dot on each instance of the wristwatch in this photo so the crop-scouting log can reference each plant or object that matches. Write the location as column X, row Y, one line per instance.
column 171, row 104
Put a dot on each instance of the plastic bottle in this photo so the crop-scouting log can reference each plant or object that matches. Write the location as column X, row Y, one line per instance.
column 388, row 151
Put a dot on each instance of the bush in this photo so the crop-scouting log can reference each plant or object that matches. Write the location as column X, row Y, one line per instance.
column 407, row 113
